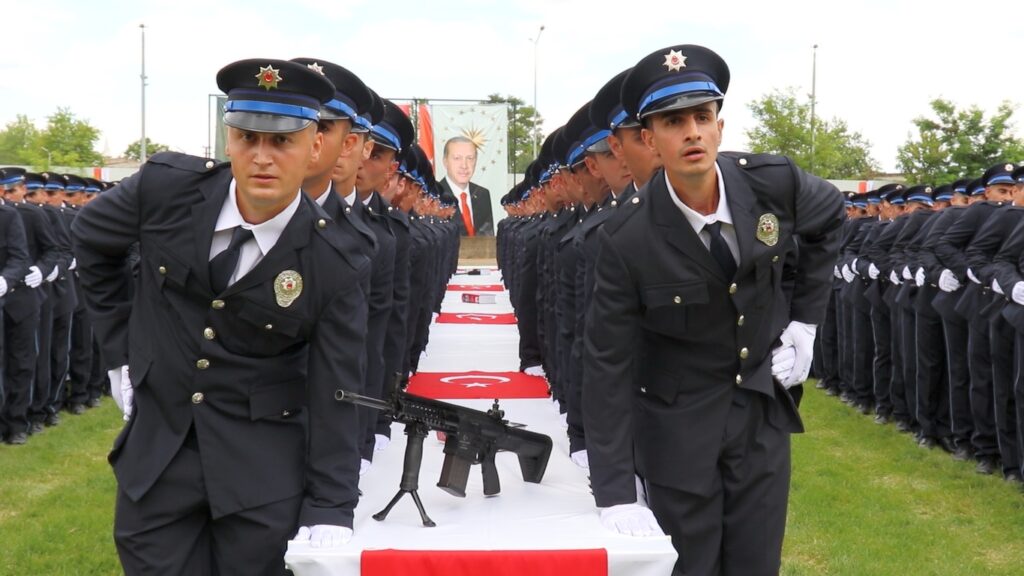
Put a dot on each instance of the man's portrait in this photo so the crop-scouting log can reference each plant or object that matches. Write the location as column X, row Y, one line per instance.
column 473, row 212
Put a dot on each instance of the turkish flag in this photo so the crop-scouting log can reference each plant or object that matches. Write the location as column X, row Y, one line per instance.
column 475, row 318
column 490, row 562
column 476, row 288
column 477, row 385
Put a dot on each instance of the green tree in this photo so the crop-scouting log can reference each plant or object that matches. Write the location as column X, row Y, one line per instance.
column 20, row 142
column 958, row 143
column 784, row 127
column 523, row 128
column 70, row 140
column 134, row 150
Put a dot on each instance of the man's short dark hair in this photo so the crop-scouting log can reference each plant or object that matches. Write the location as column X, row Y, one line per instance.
column 457, row 140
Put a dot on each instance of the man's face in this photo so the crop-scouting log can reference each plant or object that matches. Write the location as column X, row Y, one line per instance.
column 16, row 193
column 460, row 162
column 54, row 198
column 1018, row 195
column 1000, row 192
column 374, row 172
column 595, row 187
column 347, row 163
column 960, row 200
column 628, row 145
column 336, row 137
column 687, row 140
column 269, row 168
column 37, row 197
column 612, row 169
column 873, row 209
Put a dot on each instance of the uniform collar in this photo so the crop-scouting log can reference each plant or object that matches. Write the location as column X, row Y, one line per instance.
column 697, row 220
column 267, row 233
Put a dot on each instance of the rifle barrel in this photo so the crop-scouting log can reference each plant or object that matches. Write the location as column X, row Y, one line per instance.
column 359, row 399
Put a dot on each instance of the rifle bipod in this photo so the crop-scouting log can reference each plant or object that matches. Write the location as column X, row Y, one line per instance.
column 416, row 433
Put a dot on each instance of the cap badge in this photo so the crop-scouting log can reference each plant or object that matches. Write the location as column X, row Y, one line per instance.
column 675, row 61
column 287, row 287
column 268, row 77
column 1008, row 167
column 768, row 229
column 316, row 67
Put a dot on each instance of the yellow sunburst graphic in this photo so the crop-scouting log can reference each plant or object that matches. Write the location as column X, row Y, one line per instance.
column 476, row 136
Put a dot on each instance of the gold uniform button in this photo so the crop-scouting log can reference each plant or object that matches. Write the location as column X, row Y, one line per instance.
column 321, row 223
column 348, row 210
column 744, row 353
column 677, row 300
column 268, row 327
column 775, row 258
column 202, row 363
column 217, row 304
column 733, row 288
column 635, row 200
column 210, row 164
column 739, row 379
column 209, row 334
column 197, row 398
column 741, row 320
column 162, row 270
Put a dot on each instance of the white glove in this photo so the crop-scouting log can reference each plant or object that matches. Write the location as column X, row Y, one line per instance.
column 580, row 458
column 948, row 281
column 53, row 274
column 535, row 371
column 364, row 466
column 836, row 272
column 34, row 277
column 74, row 264
column 121, row 390
column 972, row 277
column 894, row 278
column 631, row 520
column 324, row 535
column 800, row 338
column 380, row 442
column 848, row 274
column 873, row 271
column 3, row 286
column 853, row 266
column 641, row 491
column 906, row 273
column 997, row 288
column 1018, row 293
column 919, row 277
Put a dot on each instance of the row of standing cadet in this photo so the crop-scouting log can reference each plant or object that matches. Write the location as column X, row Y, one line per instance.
column 925, row 327
column 50, row 358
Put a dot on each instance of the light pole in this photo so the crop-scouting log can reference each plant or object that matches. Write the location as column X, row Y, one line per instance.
column 535, row 114
column 814, row 85
column 142, row 77
column 49, row 157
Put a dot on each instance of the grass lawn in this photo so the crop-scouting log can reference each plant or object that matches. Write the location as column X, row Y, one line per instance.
column 865, row 501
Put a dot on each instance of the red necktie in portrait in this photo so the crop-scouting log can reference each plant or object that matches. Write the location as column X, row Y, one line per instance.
column 467, row 218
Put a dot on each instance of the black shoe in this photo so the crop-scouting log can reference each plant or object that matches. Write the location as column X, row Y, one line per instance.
column 93, row 403
column 927, row 442
column 1013, row 477
column 820, row 385
column 77, row 409
column 986, row 466
column 903, row 426
column 35, row 428
column 881, row 419
column 863, row 407
column 17, row 439
column 962, row 454
column 52, row 419
column 831, row 392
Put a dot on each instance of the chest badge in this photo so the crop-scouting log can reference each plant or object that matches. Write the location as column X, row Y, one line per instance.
column 768, row 229
column 287, row 287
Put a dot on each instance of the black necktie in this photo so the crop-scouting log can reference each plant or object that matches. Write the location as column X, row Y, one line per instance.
column 223, row 264
column 720, row 250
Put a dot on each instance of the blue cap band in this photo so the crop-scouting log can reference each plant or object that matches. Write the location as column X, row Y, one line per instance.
column 920, row 197
column 74, row 188
column 275, row 108
column 12, row 179
column 618, row 118
column 54, row 186
column 34, row 185
column 944, row 196
column 92, row 189
column 384, row 132
column 676, row 89
column 362, row 123
column 978, row 191
column 1001, row 179
column 339, row 106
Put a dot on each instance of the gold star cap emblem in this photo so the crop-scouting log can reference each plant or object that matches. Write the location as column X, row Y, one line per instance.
column 268, row 77
column 316, row 67
column 675, row 61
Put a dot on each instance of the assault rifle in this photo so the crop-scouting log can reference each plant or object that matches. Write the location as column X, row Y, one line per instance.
column 472, row 437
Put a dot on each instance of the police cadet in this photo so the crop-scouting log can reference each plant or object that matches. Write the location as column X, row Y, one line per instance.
column 624, row 141
column 65, row 295
column 858, row 347
column 14, row 263
column 81, row 356
column 248, row 315
column 955, row 276
column 23, row 305
column 698, row 406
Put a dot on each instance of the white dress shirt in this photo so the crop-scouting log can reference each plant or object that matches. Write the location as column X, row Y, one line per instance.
column 265, row 235
column 698, row 220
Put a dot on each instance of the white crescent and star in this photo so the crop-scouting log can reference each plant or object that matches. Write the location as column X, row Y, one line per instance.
column 675, row 61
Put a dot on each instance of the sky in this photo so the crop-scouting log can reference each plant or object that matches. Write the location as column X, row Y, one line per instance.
column 879, row 62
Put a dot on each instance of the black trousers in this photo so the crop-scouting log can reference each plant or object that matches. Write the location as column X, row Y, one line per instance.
column 899, row 407
column 882, row 329
column 19, row 371
column 932, row 379
column 80, row 364
column 170, row 530
column 961, row 423
column 99, row 383
column 979, row 363
column 904, row 392
column 828, row 342
column 863, row 356
column 1001, row 337
column 39, row 408
column 60, row 350
column 844, row 334
column 1018, row 389
column 738, row 529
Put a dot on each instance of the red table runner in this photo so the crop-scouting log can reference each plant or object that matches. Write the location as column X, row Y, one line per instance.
column 475, row 318
column 476, row 288
column 475, row 385
column 484, row 562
